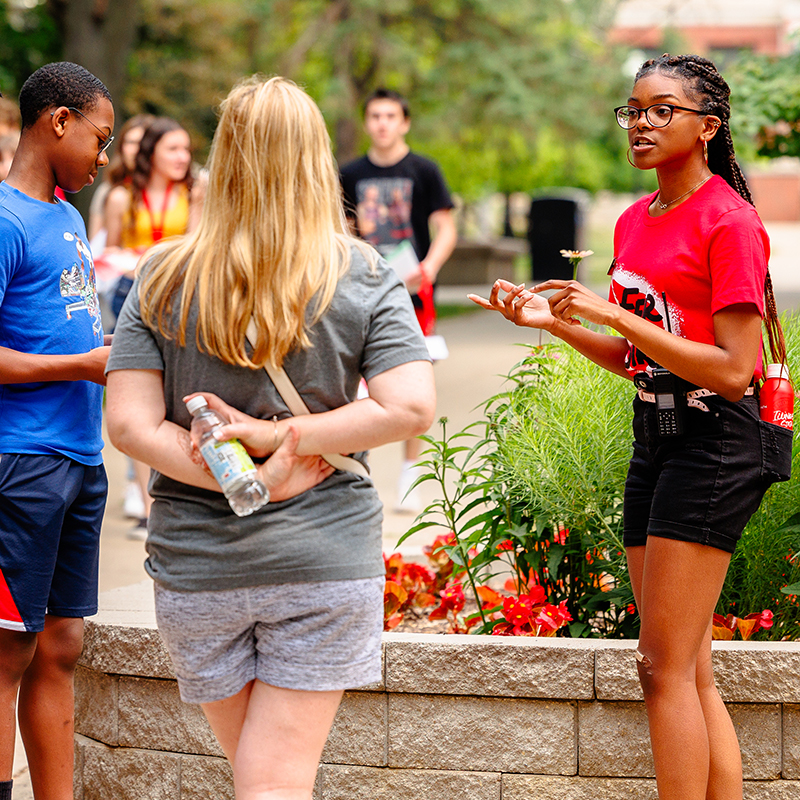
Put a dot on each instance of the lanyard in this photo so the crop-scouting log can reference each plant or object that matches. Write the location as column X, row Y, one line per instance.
column 157, row 230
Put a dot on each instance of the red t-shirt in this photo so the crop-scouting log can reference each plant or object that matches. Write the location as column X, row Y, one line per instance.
column 678, row 269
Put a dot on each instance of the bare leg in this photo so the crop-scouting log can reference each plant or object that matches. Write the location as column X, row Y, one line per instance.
column 226, row 718
column 16, row 651
column 676, row 585
column 46, row 708
column 725, row 768
column 278, row 741
column 412, row 449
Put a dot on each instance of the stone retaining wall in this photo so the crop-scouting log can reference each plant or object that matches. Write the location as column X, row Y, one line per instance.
column 454, row 718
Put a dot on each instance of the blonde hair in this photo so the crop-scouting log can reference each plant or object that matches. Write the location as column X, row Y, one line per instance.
column 272, row 235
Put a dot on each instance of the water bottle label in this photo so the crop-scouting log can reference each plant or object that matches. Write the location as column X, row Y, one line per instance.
column 228, row 461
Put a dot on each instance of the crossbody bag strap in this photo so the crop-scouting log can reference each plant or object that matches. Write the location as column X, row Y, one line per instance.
column 295, row 403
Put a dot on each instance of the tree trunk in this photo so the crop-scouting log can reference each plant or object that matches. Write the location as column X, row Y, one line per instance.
column 98, row 35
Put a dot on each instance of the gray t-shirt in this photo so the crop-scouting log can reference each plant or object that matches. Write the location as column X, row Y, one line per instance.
column 331, row 532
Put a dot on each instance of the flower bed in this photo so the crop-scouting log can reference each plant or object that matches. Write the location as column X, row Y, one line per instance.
column 453, row 717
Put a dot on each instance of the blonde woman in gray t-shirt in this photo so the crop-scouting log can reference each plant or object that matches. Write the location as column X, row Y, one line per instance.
column 268, row 618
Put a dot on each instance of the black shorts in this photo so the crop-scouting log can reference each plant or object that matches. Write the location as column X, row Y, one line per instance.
column 704, row 485
column 51, row 510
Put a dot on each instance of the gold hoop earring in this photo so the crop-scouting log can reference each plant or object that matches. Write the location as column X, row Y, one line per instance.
column 705, row 150
column 628, row 156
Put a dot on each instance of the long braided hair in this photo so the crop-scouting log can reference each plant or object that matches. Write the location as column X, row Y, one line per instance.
column 712, row 94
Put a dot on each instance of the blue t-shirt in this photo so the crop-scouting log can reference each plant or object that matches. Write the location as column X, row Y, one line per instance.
column 48, row 304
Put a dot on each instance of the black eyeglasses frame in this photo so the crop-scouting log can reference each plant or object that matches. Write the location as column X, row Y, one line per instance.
column 671, row 106
column 107, row 140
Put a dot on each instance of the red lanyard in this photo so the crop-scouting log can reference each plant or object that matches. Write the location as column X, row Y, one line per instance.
column 157, row 230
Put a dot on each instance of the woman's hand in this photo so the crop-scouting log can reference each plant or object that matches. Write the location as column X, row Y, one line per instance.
column 520, row 305
column 257, row 435
column 286, row 474
column 571, row 300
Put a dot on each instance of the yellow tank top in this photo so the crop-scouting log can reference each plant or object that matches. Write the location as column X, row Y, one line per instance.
column 148, row 223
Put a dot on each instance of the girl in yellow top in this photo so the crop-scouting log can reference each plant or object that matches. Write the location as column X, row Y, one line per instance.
column 161, row 200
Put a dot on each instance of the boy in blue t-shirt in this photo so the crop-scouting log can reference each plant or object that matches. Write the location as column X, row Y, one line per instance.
column 52, row 358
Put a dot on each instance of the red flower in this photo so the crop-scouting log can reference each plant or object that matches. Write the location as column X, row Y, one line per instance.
column 766, row 618
column 560, row 536
column 536, row 595
column 558, row 615
column 517, row 611
column 453, row 597
column 506, row 544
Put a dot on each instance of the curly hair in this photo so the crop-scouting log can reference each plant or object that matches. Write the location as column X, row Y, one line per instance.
column 59, row 84
column 705, row 85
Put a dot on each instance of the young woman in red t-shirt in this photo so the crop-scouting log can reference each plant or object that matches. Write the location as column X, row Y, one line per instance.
column 688, row 295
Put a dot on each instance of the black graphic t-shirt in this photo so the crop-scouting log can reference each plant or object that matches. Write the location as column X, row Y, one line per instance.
column 392, row 204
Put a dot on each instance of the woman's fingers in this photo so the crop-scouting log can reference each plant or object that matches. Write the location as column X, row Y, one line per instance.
column 481, row 301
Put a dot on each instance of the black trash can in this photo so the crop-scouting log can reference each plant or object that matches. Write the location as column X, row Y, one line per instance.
column 555, row 223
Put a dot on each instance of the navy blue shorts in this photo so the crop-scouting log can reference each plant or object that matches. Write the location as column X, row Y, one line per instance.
column 704, row 485
column 51, row 509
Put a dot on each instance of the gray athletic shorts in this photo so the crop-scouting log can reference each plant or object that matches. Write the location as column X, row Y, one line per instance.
column 311, row 636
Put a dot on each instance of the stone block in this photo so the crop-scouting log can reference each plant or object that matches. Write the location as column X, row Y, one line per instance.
column 124, row 774
column 371, row 783
column 482, row 733
column 152, row 715
column 759, row 730
column 122, row 638
column 96, row 705
column 771, row 790
column 615, row 676
column 791, row 742
column 206, row 778
column 614, row 740
column 758, row 672
column 123, row 650
column 489, row 666
column 359, row 732
column 546, row 787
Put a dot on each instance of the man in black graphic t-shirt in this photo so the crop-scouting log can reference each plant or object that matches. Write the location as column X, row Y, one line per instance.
column 394, row 196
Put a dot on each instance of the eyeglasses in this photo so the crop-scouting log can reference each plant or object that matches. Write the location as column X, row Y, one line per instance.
column 658, row 115
column 106, row 140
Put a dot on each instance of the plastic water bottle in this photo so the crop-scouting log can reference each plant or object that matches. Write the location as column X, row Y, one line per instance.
column 776, row 399
column 228, row 461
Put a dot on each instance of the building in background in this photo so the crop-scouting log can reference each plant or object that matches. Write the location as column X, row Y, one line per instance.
column 718, row 27
column 721, row 30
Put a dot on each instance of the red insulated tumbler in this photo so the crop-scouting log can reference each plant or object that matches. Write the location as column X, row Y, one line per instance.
column 777, row 397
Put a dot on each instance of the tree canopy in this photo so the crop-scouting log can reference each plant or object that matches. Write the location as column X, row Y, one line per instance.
column 766, row 103
column 507, row 96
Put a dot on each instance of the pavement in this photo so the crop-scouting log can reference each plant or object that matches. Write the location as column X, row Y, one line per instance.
column 482, row 351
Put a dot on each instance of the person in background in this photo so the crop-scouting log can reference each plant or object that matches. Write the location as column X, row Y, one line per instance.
column 111, row 263
column 10, row 118
column 118, row 173
column 8, row 147
column 690, row 290
column 392, row 196
column 269, row 617
column 52, row 480
column 159, row 200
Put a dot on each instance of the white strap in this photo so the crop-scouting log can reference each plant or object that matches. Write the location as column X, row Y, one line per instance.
column 692, row 398
column 297, row 406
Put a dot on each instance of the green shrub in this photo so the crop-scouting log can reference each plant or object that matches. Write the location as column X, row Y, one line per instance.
column 545, row 470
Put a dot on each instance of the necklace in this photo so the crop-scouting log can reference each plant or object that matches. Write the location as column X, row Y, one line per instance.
column 663, row 206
